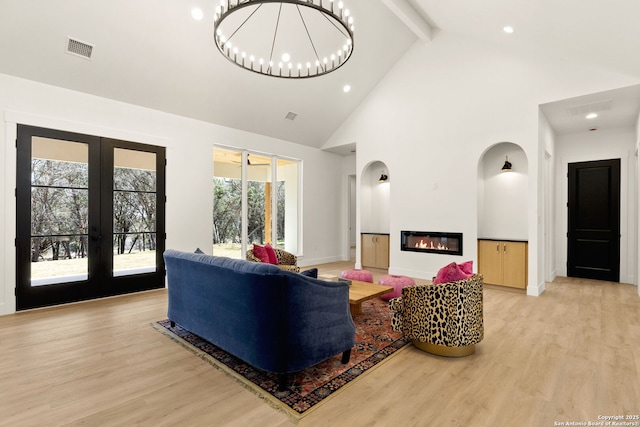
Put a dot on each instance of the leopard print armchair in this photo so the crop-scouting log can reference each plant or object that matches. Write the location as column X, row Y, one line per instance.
column 286, row 261
column 444, row 319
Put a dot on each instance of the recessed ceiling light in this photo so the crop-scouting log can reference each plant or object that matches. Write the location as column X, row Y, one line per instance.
column 346, row 88
column 591, row 115
column 197, row 14
column 508, row 29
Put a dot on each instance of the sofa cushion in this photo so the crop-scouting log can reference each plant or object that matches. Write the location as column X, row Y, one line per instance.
column 450, row 273
column 198, row 251
column 273, row 259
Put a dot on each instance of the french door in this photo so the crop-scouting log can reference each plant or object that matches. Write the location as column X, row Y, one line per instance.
column 90, row 217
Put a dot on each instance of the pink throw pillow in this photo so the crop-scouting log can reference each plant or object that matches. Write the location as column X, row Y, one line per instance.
column 273, row 259
column 467, row 267
column 261, row 253
column 450, row 273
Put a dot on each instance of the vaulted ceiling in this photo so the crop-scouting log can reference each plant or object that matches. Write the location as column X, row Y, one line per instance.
column 152, row 53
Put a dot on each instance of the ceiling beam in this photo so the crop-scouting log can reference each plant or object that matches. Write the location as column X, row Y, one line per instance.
column 411, row 18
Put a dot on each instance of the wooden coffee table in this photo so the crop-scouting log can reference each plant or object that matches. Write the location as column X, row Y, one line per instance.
column 360, row 292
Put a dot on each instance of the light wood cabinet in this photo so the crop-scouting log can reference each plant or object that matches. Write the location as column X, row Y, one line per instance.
column 503, row 262
column 375, row 250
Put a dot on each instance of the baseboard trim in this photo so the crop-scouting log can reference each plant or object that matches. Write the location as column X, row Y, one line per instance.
column 318, row 261
column 536, row 291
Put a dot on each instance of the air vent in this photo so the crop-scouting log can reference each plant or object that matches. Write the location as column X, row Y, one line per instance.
column 291, row 116
column 78, row 48
column 594, row 107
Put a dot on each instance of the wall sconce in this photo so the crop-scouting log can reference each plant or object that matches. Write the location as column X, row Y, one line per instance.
column 383, row 177
column 507, row 165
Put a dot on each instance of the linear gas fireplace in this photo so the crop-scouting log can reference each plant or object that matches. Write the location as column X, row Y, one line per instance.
column 431, row 242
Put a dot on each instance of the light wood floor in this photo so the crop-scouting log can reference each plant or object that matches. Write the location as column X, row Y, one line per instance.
column 571, row 354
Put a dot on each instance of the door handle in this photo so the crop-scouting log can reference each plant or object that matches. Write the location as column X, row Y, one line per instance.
column 498, row 248
column 505, row 248
column 95, row 237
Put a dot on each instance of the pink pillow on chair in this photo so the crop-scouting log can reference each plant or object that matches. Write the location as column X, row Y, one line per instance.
column 261, row 253
column 450, row 273
column 273, row 259
column 467, row 267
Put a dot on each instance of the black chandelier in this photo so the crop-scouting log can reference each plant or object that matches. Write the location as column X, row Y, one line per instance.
column 285, row 38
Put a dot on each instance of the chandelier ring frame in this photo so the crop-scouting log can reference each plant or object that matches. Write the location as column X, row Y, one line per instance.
column 321, row 67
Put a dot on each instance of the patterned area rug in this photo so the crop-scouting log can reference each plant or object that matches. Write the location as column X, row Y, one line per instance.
column 375, row 343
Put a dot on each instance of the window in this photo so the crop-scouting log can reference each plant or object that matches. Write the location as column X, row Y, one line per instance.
column 255, row 200
column 59, row 211
column 134, row 212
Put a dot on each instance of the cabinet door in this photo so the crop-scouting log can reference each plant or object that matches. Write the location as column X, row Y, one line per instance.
column 382, row 251
column 490, row 261
column 514, row 264
column 368, row 245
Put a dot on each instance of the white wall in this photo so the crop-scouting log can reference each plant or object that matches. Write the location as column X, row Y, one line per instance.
column 503, row 211
column 189, row 168
column 349, row 197
column 637, row 204
column 547, row 200
column 435, row 114
column 353, row 195
column 600, row 145
column 375, row 199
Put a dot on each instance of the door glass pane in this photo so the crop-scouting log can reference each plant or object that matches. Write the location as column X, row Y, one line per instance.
column 259, row 195
column 59, row 211
column 287, row 188
column 227, row 203
column 134, row 212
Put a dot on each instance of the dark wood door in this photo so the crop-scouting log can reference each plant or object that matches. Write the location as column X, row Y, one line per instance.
column 593, row 249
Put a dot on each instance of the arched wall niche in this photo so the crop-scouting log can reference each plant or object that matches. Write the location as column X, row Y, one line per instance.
column 503, row 195
column 375, row 199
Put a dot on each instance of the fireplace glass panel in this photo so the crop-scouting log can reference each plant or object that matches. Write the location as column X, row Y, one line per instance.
column 432, row 242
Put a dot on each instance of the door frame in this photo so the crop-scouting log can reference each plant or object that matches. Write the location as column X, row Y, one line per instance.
column 101, row 282
column 82, row 123
column 616, row 210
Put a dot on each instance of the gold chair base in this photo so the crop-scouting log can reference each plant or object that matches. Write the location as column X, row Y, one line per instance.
column 441, row 350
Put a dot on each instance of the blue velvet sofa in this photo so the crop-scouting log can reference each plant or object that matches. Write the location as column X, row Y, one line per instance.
column 275, row 320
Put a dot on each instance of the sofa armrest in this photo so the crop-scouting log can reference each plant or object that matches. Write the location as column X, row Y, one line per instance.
column 293, row 268
column 319, row 323
column 285, row 258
